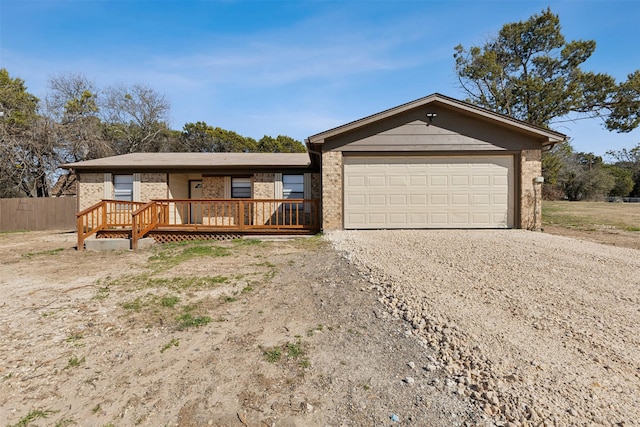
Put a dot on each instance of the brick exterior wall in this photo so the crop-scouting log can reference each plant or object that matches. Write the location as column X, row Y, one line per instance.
column 153, row 186
column 332, row 190
column 263, row 186
column 530, row 192
column 213, row 187
column 90, row 189
column 316, row 186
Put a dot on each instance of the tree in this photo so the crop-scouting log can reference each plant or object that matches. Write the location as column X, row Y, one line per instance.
column 530, row 72
column 583, row 176
column 28, row 147
column 629, row 160
column 136, row 118
column 73, row 104
column 203, row 138
column 280, row 144
column 625, row 110
column 623, row 181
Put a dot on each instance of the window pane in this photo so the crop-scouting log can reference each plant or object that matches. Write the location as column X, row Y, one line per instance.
column 293, row 186
column 241, row 188
column 123, row 187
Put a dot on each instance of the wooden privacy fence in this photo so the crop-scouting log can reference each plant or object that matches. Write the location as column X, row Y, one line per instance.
column 43, row 213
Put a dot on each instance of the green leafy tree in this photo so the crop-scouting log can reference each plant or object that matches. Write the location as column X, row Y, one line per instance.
column 530, row 72
column 623, row 181
column 629, row 160
column 584, row 177
column 625, row 105
column 280, row 144
column 203, row 138
column 553, row 161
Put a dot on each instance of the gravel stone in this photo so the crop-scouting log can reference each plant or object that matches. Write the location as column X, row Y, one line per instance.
column 538, row 323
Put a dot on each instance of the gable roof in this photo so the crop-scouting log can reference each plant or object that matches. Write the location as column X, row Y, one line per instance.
column 190, row 161
column 551, row 137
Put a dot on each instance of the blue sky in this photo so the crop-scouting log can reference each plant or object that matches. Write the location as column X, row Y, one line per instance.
column 294, row 67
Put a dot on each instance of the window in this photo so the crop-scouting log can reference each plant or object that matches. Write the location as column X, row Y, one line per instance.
column 123, row 187
column 293, row 186
column 241, row 188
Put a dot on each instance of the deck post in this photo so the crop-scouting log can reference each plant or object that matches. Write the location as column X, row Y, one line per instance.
column 241, row 215
column 80, row 225
column 134, row 232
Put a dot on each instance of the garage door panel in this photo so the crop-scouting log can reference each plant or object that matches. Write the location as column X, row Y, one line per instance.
column 459, row 218
column 358, row 200
column 398, row 181
column 459, row 180
column 418, row 200
column 481, row 199
column 439, row 180
column 418, row 180
column 460, row 199
column 500, row 181
column 379, row 219
column 482, row 217
column 398, row 200
column 429, row 192
column 377, row 199
column 377, row 181
column 481, row 180
column 398, row 218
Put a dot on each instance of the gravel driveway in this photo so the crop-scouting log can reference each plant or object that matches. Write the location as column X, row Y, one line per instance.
column 535, row 328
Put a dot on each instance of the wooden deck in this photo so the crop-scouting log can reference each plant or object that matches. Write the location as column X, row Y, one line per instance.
column 188, row 219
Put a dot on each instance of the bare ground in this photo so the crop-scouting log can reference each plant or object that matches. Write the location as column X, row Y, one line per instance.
column 122, row 339
column 426, row 329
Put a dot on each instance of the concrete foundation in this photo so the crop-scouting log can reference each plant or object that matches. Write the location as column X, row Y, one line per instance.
column 101, row 245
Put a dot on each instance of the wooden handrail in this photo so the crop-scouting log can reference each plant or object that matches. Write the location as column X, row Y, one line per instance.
column 103, row 215
column 143, row 220
column 199, row 215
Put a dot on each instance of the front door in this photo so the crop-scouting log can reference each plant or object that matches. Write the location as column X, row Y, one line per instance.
column 195, row 192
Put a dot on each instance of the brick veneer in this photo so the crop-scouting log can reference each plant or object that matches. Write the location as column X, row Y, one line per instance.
column 332, row 190
column 90, row 189
column 153, row 186
column 213, row 187
column 263, row 186
column 530, row 192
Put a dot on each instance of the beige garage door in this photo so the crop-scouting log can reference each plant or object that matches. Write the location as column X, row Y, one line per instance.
column 428, row 192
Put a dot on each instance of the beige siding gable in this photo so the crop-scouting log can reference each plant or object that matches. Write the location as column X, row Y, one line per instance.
column 448, row 131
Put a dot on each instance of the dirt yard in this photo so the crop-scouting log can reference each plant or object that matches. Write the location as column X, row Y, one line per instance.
column 432, row 328
column 214, row 334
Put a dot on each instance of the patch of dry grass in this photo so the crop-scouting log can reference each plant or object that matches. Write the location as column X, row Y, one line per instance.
column 592, row 215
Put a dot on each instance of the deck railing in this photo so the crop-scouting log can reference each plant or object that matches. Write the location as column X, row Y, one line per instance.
column 214, row 215
column 104, row 215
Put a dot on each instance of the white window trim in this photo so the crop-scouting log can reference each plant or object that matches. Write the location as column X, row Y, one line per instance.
column 227, row 187
column 108, row 186
column 278, row 190
column 136, row 187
